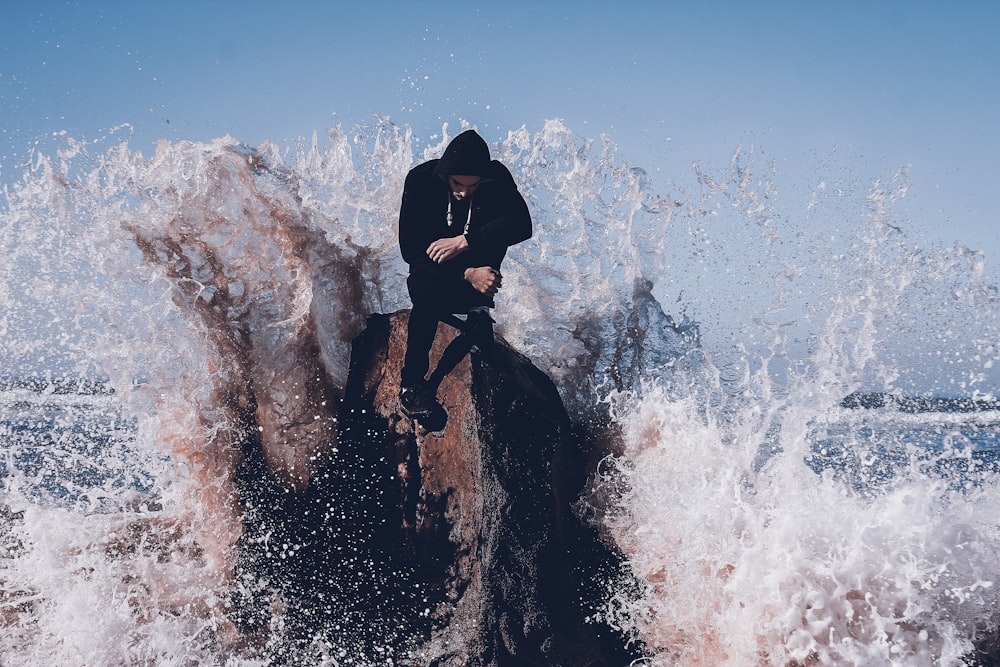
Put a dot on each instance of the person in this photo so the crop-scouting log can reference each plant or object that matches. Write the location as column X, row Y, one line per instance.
column 459, row 215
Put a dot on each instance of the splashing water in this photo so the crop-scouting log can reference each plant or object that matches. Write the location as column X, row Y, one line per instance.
column 743, row 554
column 747, row 541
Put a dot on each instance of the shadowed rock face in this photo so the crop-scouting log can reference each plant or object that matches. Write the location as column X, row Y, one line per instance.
column 448, row 549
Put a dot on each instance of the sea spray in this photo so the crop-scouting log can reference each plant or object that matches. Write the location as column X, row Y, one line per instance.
column 724, row 316
column 746, row 550
column 782, row 566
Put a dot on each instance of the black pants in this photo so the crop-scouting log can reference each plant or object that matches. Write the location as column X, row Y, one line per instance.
column 424, row 318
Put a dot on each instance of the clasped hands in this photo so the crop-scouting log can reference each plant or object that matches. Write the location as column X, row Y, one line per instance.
column 485, row 279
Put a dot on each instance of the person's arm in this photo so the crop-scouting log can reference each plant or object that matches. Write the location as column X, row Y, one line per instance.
column 417, row 239
column 414, row 236
column 512, row 225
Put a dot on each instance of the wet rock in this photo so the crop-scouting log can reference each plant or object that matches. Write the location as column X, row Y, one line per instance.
column 453, row 548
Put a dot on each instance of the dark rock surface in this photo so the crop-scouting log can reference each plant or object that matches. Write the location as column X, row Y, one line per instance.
column 458, row 548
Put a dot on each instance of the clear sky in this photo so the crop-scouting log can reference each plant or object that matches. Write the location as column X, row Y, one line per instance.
column 890, row 83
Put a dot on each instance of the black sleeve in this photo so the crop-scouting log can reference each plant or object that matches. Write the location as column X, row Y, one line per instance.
column 417, row 232
column 513, row 222
column 413, row 232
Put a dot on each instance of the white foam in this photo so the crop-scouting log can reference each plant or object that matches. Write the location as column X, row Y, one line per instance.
column 728, row 311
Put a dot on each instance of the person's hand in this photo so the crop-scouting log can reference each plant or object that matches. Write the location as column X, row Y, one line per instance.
column 444, row 249
column 485, row 279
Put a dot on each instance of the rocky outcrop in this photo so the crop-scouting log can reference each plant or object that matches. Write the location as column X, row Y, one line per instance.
column 450, row 549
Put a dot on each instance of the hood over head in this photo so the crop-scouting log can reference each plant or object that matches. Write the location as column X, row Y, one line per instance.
column 466, row 155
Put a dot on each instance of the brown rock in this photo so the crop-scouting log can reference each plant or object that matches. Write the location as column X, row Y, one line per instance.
column 449, row 549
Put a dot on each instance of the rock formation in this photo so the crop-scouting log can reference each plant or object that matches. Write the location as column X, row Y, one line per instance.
column 450, row 549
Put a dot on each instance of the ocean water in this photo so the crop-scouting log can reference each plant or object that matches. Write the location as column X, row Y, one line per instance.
column 720, row 319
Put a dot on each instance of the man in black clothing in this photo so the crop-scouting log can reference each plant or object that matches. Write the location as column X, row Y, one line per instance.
column 458, row 216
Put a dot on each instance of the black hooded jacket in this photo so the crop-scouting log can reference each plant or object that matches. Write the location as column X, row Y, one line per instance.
column 498, row 220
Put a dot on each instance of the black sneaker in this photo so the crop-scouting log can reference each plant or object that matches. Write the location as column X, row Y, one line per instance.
column 416, row 399
column 418, row 403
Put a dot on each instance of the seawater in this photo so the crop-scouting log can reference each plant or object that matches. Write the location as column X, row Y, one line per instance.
column 720, row 319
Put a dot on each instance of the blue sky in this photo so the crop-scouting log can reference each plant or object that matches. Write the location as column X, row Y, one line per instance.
column 887, row 83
